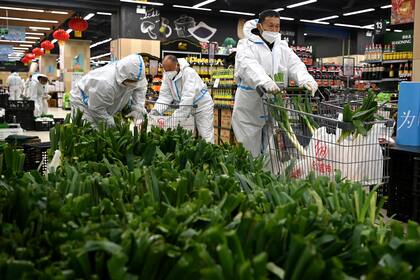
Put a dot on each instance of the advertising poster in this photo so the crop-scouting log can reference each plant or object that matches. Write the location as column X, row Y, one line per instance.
column 402, row 11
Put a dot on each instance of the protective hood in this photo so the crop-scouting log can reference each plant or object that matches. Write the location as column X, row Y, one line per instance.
column 183, row 63
column 36, row 76
column 249, row 26
column 130, row 67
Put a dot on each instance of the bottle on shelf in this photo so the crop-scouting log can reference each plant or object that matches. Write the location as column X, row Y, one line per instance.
column 401, row 71
column 391, row 71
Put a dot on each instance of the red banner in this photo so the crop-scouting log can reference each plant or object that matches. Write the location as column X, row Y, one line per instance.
column 402, row 11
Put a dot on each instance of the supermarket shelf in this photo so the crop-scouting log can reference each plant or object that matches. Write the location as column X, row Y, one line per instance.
column 392, row 80
column 371, row 61
column 396, row 61
column 371, row 81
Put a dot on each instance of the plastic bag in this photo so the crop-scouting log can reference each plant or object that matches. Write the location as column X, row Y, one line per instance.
column 167, row 122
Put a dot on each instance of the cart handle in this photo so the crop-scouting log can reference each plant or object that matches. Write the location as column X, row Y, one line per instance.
column 261, row 90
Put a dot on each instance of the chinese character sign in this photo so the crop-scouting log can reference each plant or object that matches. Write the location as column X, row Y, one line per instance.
column 408, row 122
column 402, row 11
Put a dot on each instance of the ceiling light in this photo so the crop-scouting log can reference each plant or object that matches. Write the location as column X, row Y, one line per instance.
column 22, row 45
column 236, row 13
column 32, row 38
column 143, row 2
column 100, row 56
column 287, row 18
column 89, row 16
column 398, row 30
column 29, row 19
column 370, row 26
column 191, row 8
column 386, row 7
column 359, row 12
column 54, row 41
column 326, row 18
column 34, row 33
column 22, row 9
column 388, row 29
column 279, row 9
column 305, row 34
column 312, row 21
column 19, row 48
column 301, row 4
column 347, row 25
column 38, row 28
column 21, row 42
column 100, row 43
column 59, row 12
column 104, row 14
column 203, row 3
column 69, row 31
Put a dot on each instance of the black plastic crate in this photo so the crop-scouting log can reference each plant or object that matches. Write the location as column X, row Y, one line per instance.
column 58, row 120
column 23, row 117
column 43, row 125
column 36, row 156
column 4, row 98
column 21, row 104
column 19, row 140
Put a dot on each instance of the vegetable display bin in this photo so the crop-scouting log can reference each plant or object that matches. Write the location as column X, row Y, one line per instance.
column 408, row 123
column 36, row 156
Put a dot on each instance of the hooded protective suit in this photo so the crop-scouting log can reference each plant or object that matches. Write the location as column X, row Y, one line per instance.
column 100, row 94
column 187, row 89
column 36, row 92
column 15, row 84
column 256, row 65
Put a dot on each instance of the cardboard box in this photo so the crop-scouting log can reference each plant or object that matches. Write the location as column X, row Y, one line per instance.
column 216, row 117
column 52, row 103
column 226, row 118
column 226, row 136
column 216, row 135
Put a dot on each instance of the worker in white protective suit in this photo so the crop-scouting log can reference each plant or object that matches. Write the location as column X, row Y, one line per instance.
column 262, row 57
column 183, row 86
column 15, row 84
column 36, row 92
column 105, row 91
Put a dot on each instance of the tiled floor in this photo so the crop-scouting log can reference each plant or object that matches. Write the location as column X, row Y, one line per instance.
column 45, row 135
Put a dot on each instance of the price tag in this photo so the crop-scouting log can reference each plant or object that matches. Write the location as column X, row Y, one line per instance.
column 216, row 83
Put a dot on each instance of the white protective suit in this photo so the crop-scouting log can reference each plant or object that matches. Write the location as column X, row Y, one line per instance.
column 188, row 90
column 100, row 94
column 15, row 84
column 255, row 65
column 36, row 92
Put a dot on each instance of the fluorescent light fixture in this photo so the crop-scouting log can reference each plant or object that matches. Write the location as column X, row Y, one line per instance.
column 316, row 22
column 347, row 25
column 59, row 12
column 89, row 16
column 100, row 43
column 236, row 13
column 21, row 42
column 305, row 34
column 104, row 14
column 386, row 7
column 388, row 29
column 100, row 56
column 19, row 48
column 30, row 19
column 38, row 28
column 143, row 2
column 22, row 9
column 287, row 18
column 279, row 9
column 69, row 31
column 326, row 18
column 54, row 41
column 191, row 8
column 23, row 45
column 34, row 33
column 398, row 30
column 301, row 4
column 359, row 12
column 32, row 38
column 203, row 3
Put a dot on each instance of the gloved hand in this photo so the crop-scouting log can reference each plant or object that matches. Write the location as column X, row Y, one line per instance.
column 271, row 86
column 154, row 112
column 137, row 115
column 312, row 86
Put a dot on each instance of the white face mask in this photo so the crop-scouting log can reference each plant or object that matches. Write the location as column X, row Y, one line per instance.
column 269, row 36
column 171, row 74
column 130, row 84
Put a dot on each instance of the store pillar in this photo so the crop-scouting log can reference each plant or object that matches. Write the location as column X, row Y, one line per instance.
column 416, row 45
column 48, row 66
column 124, row 46
column 74, row 61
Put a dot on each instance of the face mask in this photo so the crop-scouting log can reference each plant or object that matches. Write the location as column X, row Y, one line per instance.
column 131, row 84
column 171, row 74
column 269, row 36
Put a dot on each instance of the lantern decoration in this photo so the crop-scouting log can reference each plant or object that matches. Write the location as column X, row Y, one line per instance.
column 61, row 35
column 47, row 46
column 38, row 52
column 25, row 60
column 30, row 56
column 78, row 25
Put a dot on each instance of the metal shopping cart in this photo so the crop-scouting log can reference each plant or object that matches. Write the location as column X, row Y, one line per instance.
column 302, row 142
column 173, row 116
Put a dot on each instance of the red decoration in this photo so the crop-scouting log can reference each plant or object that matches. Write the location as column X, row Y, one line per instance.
column 28, row 58
column 78, row 25
column 31, row 56
column 38, row 52
column 47, row 46
column 61, row 35
column 25, row 60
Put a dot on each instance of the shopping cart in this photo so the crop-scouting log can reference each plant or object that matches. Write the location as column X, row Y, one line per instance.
column 173, row 116
column 302, row 142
